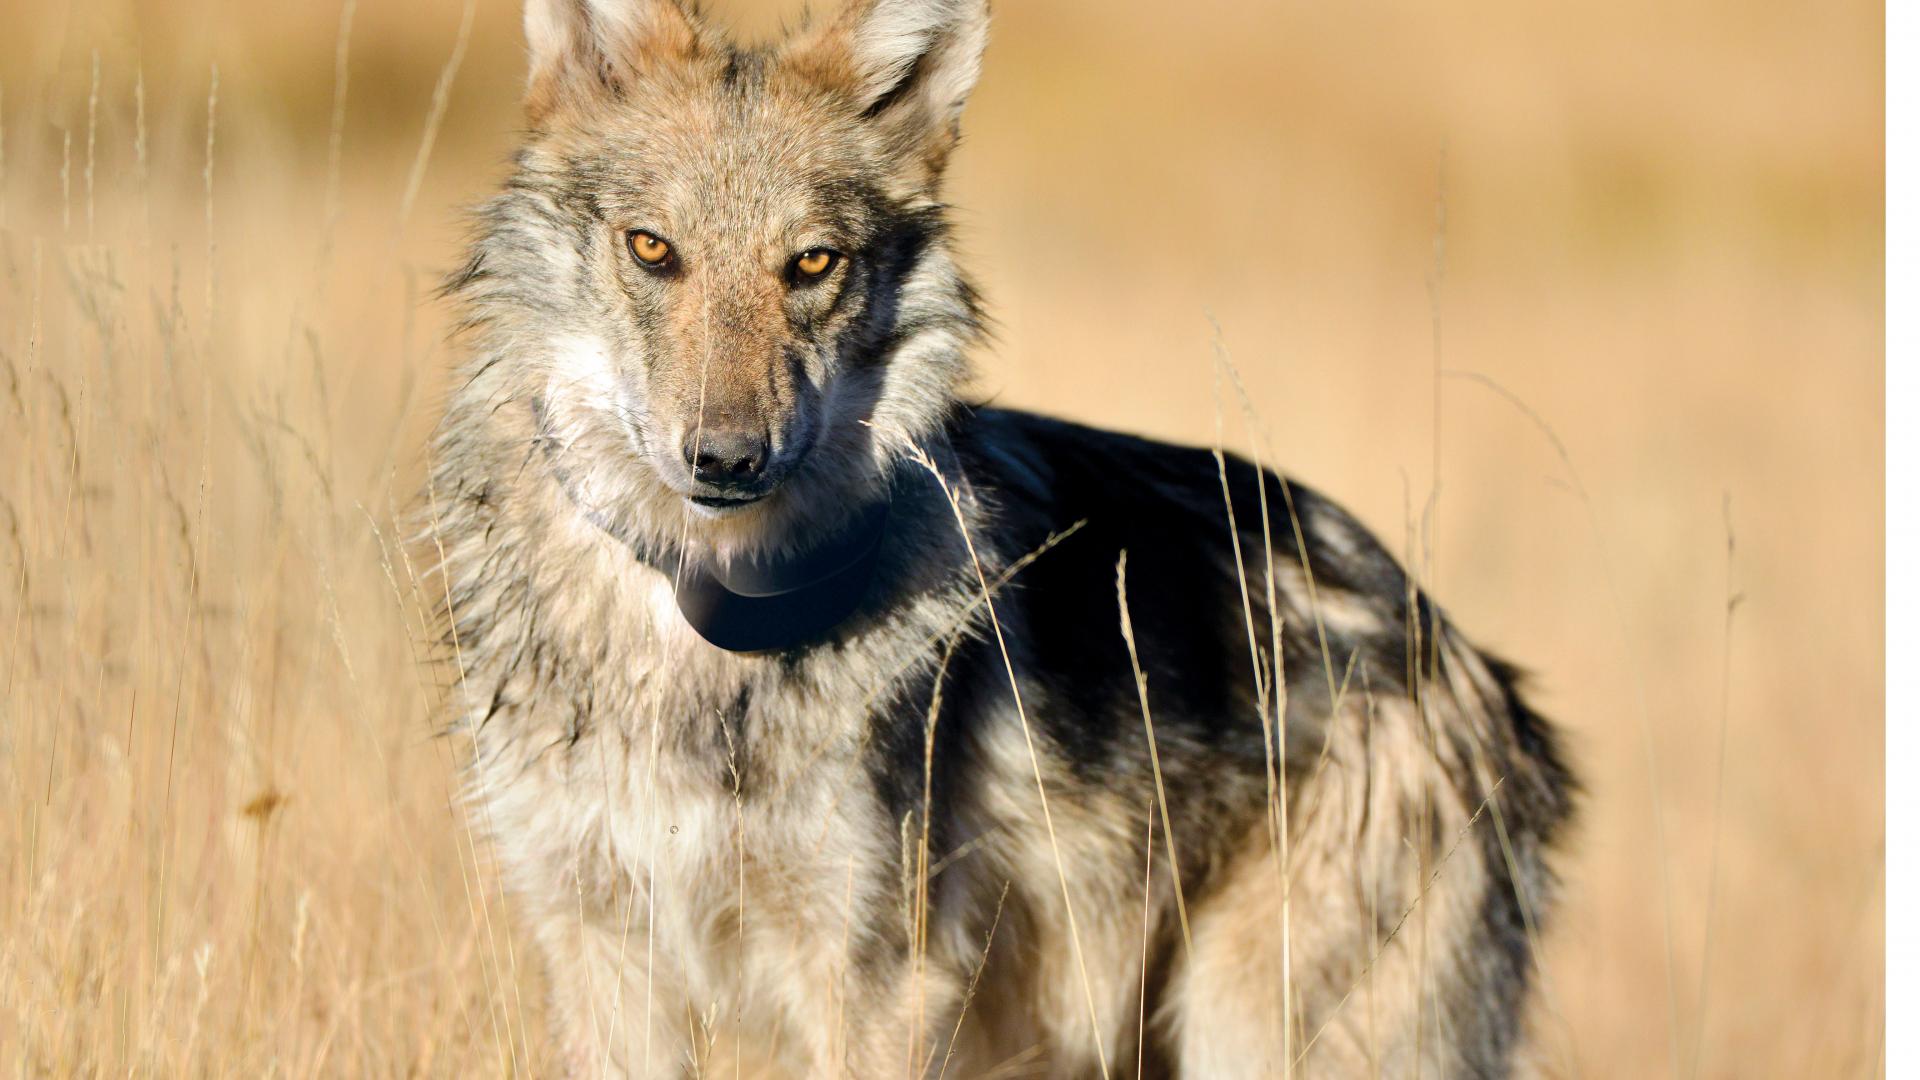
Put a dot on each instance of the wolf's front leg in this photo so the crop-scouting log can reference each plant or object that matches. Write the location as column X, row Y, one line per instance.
column 615, row 1006
column 900, row 1021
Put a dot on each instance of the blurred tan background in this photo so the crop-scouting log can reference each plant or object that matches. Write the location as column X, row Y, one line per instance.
column 1654, row 231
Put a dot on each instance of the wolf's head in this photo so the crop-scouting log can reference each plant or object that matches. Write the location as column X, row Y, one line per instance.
column 719, row 277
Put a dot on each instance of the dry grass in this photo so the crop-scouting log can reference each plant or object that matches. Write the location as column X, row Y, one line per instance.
column 228, row 840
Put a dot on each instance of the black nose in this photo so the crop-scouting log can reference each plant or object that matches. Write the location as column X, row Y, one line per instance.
column 726, row 457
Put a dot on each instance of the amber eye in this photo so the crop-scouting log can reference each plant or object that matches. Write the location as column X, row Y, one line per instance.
column 650, row 250
column 813, row 263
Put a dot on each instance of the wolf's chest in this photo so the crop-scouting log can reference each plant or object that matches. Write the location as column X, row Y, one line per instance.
column 705, row 861
column 705, row 804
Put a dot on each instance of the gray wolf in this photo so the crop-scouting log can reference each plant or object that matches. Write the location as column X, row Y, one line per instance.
column 809, row 727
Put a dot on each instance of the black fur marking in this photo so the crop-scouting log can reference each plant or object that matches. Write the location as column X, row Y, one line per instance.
column 890, row 259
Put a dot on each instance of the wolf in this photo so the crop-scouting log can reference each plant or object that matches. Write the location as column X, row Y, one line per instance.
column 825, row 722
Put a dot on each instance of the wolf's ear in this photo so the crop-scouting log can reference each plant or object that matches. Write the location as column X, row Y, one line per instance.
column 908, row 65
column 579, row 49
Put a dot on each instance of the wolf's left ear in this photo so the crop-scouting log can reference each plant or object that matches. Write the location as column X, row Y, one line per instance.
column 907, row 64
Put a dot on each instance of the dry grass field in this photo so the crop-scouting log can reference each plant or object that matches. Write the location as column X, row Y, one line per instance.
column 1579, row 304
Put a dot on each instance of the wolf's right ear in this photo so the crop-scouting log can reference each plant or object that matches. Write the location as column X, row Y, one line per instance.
column 579, row 50
column 908, row 65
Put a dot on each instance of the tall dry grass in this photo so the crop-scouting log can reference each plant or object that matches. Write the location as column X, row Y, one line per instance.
column 1581, row 306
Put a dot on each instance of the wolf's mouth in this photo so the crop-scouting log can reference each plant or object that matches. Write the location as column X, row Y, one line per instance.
column 725, row 502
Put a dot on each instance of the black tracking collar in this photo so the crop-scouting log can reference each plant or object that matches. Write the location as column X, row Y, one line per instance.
column 760, row 605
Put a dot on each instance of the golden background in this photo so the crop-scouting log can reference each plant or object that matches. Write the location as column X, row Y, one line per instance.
column 1557, row 297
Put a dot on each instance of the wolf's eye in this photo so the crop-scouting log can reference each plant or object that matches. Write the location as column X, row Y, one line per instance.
column 812, row 265
column 649, row 250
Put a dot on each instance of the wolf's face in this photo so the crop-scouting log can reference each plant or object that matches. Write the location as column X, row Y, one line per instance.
column 726, row 271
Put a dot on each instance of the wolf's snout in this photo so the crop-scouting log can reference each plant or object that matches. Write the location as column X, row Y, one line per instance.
column 726, row 457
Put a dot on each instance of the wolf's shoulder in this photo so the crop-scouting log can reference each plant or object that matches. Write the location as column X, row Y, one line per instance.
column 1197, row 529
column 1043, row 473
